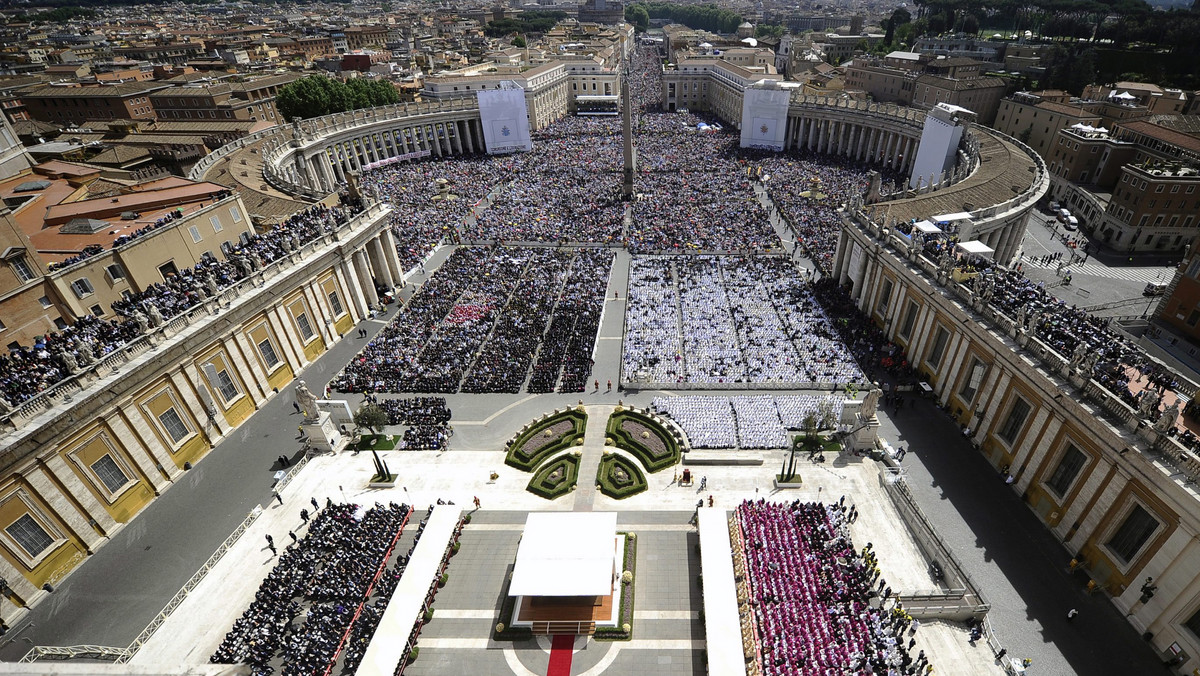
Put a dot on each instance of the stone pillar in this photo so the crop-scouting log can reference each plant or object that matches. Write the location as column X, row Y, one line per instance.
column 192, row 378
column 141, row 454
column 363, row 270
column 322, row 316
column 357, row 302
column 289, row 336
column 993, row 409
column 465, row 125
column 75, row 488
column 252, row 376
column 391, row 256
column 39, row 481
column 378, row 263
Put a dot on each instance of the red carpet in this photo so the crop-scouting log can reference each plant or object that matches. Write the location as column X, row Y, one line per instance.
column 561, row 649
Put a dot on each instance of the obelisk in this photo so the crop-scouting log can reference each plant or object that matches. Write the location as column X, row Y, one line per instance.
column 627, row 133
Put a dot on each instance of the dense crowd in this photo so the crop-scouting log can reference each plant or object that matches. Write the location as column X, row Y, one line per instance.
column 867, row 342
column 729, row 320
column 819, row 605
column 427, row 420
column 27, row 370
column 479, row 323
column 306, row 603
column 749, row 422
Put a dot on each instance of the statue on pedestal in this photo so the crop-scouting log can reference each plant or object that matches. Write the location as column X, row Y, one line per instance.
column 1079, row 355
column 69, row 360
column 5, row 407
column 1148, row 403
column 307, row 401
column 1167, row 420
column 1021, row 315
column 143, row 323
column 870, row 402
column 84, row 353
column 156, row 318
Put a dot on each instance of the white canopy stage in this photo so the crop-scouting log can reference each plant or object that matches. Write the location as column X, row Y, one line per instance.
column 926, row 227
column 950, row 218
column 976, row 248
column 565, row 554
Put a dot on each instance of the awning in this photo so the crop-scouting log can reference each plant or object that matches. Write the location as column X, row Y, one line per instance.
column 959, row 216
column 977, row 248
column 926, row 227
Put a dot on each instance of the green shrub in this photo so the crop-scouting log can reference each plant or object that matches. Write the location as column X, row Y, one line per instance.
column 543, row 486
column 412, row 654
column 644, row 449
column 525, row 462
column 428, row 615
column 444, row 579
column 609, row 477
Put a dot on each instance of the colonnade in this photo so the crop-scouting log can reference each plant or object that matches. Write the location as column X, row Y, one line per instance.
column 325, row 166
column 853, row 139
column 375, row 260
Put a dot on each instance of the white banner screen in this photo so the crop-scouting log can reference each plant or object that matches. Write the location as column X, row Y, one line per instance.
column 764, row 118
column 505, row 120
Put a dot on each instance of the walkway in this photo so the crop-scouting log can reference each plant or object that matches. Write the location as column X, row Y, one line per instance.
column 593, row 451
column 1018, row 564
column 117, row 591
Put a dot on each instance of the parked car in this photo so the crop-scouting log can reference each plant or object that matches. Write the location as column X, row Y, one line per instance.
column 1063, row 215
column 1154, row 289
column 1072, row 223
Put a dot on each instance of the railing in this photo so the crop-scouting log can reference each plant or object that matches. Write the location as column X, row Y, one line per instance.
column 76, row 652
column 563, row 627
column 964, row 599
column 1160, row 446
column 112, row 361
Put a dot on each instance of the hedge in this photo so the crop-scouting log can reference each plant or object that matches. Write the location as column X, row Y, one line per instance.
column 540, row 484
column 625, row 617
column 637, row 447
column 610, row 486
column 526, row 463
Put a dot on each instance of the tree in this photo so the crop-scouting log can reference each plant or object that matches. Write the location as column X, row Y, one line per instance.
column 898, row 18
column 518, row 42
column 638, row 16
column 317, row 95
column 372, row 417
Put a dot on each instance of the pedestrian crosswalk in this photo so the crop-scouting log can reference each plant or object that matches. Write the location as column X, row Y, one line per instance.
column 1157, row 273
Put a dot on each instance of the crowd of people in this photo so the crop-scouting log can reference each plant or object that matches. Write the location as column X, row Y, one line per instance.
column 27, row 370
column 819, row 605
column 729, row 319
column 306, row 603
column 484, row 317
column 868, row 343
column 747, row 422
column 162, row 222
column 427, row 421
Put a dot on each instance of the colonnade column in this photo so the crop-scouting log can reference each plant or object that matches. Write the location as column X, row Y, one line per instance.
column 391, row 257
column 363, row 270
column 378, row 259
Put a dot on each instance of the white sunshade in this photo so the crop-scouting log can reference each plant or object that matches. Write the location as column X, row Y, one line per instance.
column 976, row 247
column 926, row 227
column 960, row 216
column 565, row 554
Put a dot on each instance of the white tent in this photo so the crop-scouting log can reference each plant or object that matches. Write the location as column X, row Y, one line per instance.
column 950, row 218
column 926, row 227
column 565, row 554
column 976, row 248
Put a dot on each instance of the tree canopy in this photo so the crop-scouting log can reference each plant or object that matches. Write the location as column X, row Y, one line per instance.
column 704, row 17
column 526, row 22
column 638, row 16
column 317, row 95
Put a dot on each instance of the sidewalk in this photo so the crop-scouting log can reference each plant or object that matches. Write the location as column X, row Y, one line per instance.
column 1019, row 565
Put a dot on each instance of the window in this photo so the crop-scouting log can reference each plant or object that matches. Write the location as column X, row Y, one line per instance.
column 970, row 386
column 195, row 231
column 910, row 320
column 1066, row 472
column 216, row 223
column 174, row 425
column 96, row 310
column 268, row 353
column 82, row 287
column 226, row 386
column 940, row 338
column 1137, row 528
column 45, row 302
column 30, row 535
column 235, row 214
column 21, row 268
column 1015, row 421
column 336, row 304
column 306, row 330
column 114, row 272
column 110, row 474
column 885, row 296
column 1193, row 623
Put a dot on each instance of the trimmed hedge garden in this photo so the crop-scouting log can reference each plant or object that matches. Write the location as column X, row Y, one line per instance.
column 644, row 438
column 544, row 438
column 619, row 478
column 624, row 629
column 555, row 478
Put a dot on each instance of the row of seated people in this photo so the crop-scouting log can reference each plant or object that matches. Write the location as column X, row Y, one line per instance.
column 818, row 605
column 416, row 411
column 305, row 604
column 480, row 332
column 27, row 370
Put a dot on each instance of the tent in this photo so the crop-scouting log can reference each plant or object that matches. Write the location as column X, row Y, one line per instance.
column 975, row 248
column 926, row 227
